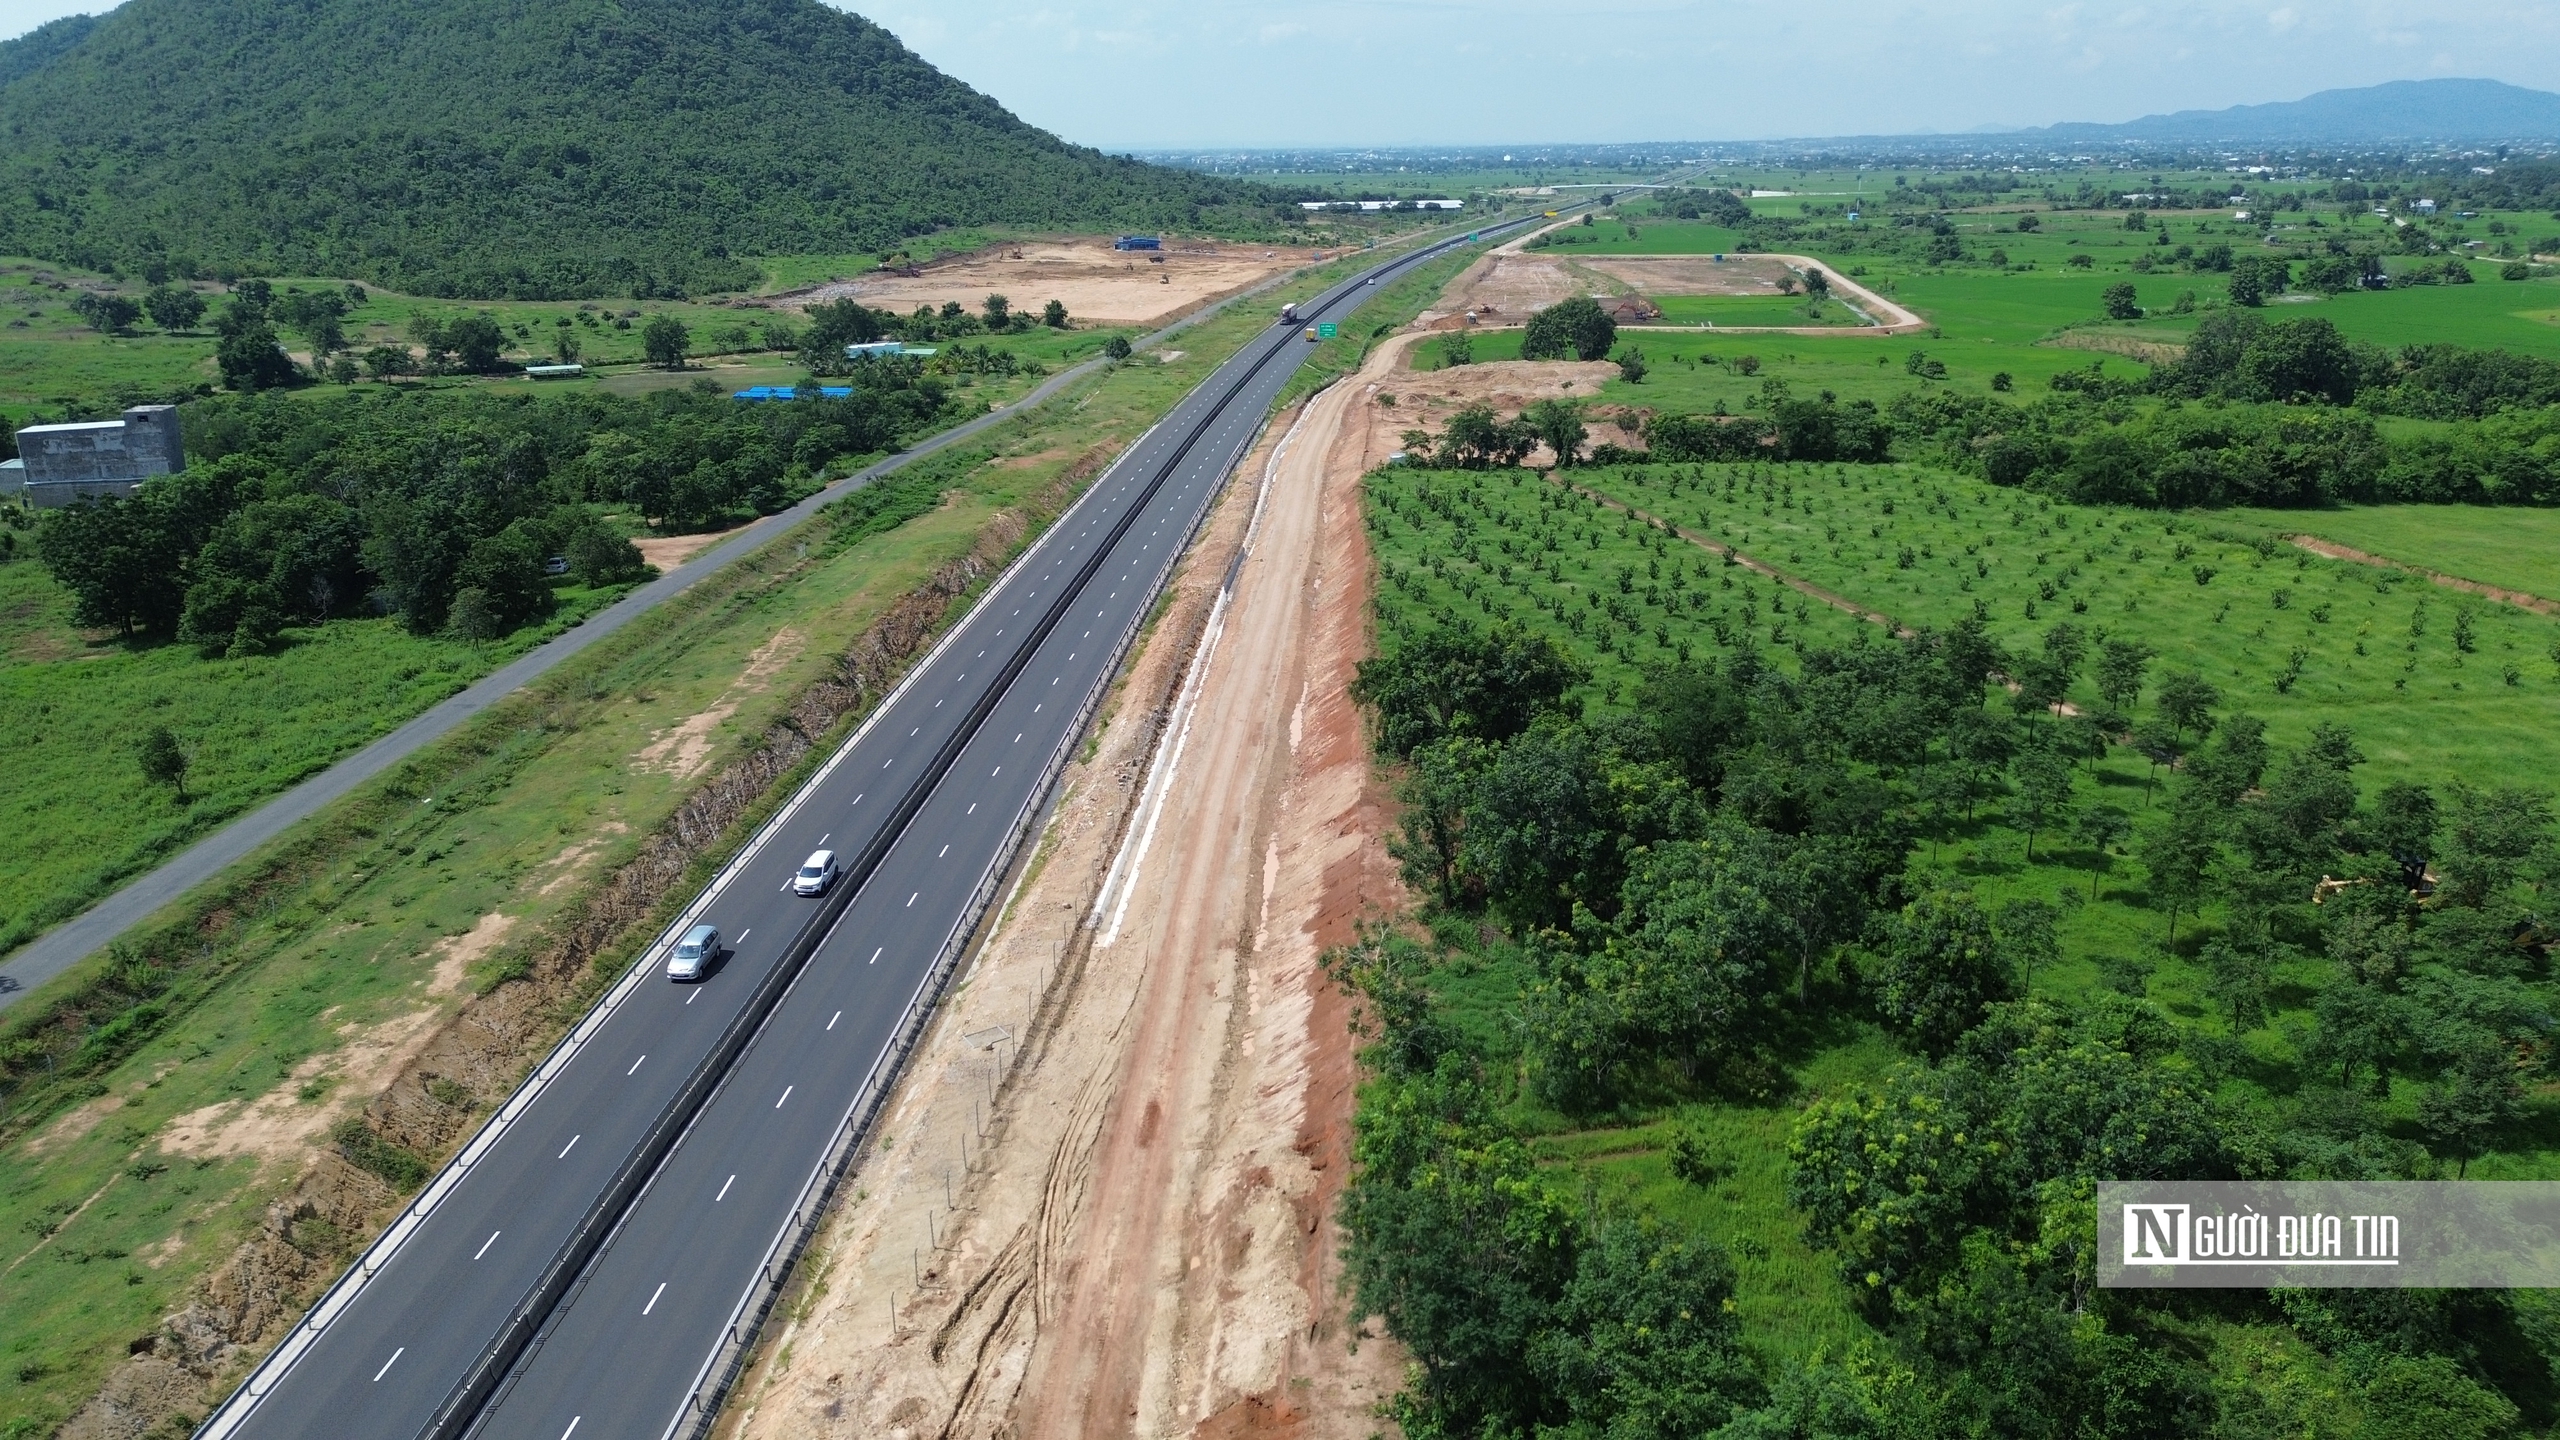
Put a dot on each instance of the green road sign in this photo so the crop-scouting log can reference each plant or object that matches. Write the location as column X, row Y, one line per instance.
column 1327, row 330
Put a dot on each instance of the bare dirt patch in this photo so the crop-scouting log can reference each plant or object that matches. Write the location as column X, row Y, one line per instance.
column 282, row 1126
column 1143, row 1241
column 570, row 865
column 669, row 551
column 75, row 1124
column 2110, row 342
column 1694, row 274
column 456, row 954
column 1097, row 284
column 683, row 750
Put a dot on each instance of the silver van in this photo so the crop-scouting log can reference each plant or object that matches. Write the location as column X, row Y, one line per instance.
column 692, row 957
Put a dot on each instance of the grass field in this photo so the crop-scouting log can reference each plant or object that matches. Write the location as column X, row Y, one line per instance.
column 82, row 819
column 531, row 803
column 2508, row 547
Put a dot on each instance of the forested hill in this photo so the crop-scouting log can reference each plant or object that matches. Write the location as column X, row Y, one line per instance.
column 524, row 148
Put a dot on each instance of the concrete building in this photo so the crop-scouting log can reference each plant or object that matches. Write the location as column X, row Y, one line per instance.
column 99, row 458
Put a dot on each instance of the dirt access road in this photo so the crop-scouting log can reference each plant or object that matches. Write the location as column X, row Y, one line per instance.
column 1121, row 1222
column 1097, row 284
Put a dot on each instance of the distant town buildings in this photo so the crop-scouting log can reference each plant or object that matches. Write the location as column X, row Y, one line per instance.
column 63, row 464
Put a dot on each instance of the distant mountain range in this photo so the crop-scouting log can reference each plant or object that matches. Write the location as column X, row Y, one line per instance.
column 525, row 148
column 2401, row 111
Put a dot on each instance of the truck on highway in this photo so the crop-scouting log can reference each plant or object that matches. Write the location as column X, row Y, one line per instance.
column 1289, row 313
column 1311, row 335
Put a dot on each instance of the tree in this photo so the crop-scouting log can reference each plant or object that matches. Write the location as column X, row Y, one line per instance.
column 2179, row 852
column 113, row 314
column 1577, row 328
column 1941, row 966
column 1457, row 348
column 250, row 359
column 1054, row 315
column 477, row 342
column 2044, row 790
column 565, row 347
column 1817, row 284
column 2475, row 1097
column 1435, row 794
column 664, row 340
column 1558, row 423
column 2403, row 825
column 2120, row 302
column 1631, row 366
column 999, row 312
column 2121, row 665
column 163, row 762
column 2101, row 828
column 2186, row 701
column 2490, row 838
column 427, row 332
column 1461, row 681
column 1116, row 348
column 599, row 556
column 1645, row 1343
column 174, row 307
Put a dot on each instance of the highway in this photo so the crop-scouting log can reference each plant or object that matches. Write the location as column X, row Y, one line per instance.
column 579, row 1266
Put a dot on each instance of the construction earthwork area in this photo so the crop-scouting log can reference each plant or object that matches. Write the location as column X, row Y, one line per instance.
column 1097, row 284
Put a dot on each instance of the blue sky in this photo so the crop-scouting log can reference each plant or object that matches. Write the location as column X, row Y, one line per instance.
column 1148, row 74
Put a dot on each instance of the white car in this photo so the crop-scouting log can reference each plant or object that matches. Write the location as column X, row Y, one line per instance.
column 816, row 875
column 692, row 957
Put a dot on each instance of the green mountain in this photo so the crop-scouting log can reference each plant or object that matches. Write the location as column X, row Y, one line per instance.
column 525, row 148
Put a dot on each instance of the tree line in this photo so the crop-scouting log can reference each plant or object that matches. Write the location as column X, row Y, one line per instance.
column 2253, row 412
column 1697, row 889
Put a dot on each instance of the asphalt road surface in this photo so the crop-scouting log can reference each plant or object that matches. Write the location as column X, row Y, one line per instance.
column 722, row 1097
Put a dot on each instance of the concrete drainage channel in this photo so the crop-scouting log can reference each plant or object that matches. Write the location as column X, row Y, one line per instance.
column 469, row 1402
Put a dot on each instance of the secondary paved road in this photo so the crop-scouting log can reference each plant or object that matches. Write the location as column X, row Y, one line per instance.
column 723, row 1097
column 66, row 945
